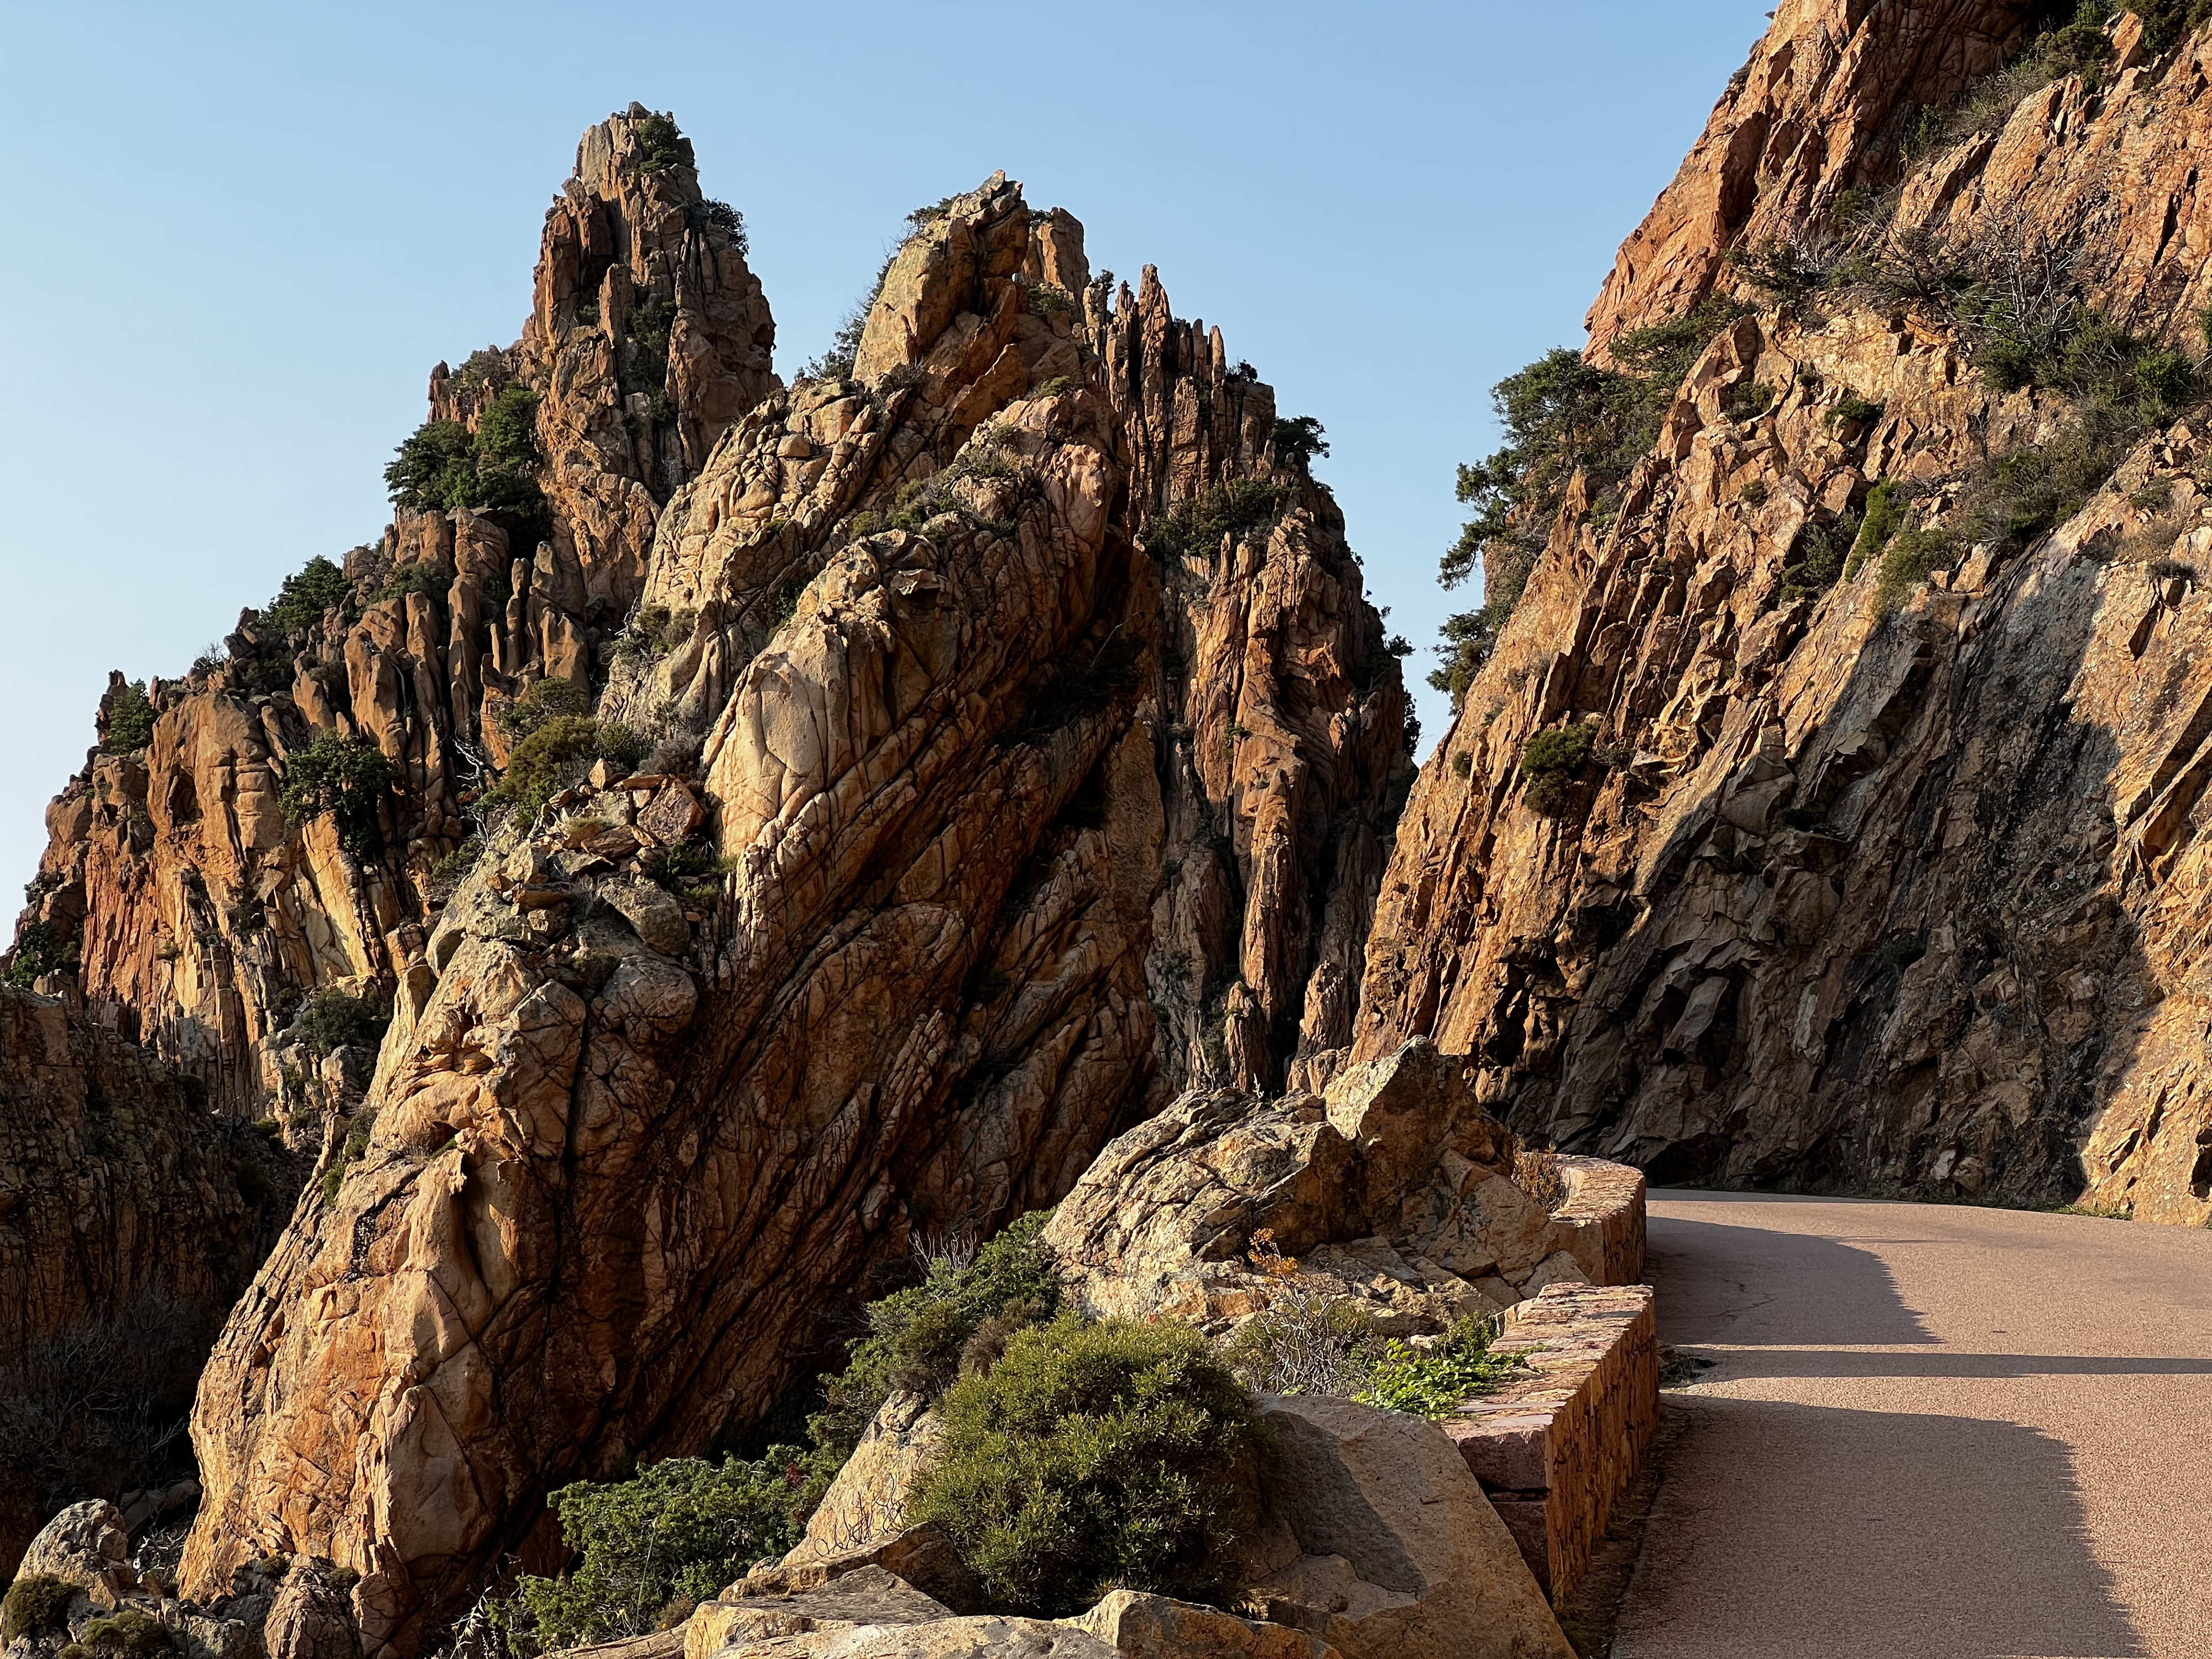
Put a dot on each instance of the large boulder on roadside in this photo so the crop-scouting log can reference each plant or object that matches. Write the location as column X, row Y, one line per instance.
column 85, row 1544
column 1396, row 1184
column 1379, row 1541
column 1141, row 1626
column 861, row 1520
column 989, row 1637
column 866, row 1596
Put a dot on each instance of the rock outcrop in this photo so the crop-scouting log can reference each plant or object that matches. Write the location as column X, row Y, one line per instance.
column 1846, row 900
column 633, row 1132
column 1383, row 1545
column 1394, row 1188
column 192, row 915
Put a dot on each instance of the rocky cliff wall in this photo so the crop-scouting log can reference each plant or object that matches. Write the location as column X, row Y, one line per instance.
column 129, row 1220
column 193, row 914
column 1042, row 750
column 1892, row 884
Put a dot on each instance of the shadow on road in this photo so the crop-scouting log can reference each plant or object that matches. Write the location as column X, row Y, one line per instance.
column 1718, row 1285
column 1886, row 1533
column 1829, row 1362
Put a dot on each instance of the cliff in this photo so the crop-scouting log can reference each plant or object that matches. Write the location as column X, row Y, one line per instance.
column 129, row 1220
column 1026, row 749
column 1877, row 872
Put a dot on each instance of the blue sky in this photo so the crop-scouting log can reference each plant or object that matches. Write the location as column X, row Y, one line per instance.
column 238, row 237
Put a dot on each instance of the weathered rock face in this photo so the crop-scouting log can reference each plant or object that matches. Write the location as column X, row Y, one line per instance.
column 627, row 1149
column 198, row 914
column 1396, row 1186
column 129, row 1220
column 1904, row 905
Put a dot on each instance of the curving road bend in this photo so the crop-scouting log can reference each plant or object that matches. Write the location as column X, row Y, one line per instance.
column 1930, row 1430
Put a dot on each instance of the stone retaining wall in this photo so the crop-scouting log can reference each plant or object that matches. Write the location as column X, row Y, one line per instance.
column 1605, row 1207
column 1557, row 1447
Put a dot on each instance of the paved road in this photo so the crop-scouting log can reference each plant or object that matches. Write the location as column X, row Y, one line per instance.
column 1932, row 1431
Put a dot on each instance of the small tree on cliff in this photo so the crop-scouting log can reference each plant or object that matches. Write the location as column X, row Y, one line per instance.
column 345, row 777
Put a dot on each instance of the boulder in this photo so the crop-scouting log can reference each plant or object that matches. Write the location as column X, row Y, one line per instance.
column 1395, row 1183
column 1382, row 1544
column 311, row 1617
column 865, row 1596
column 861, row 1520
column 85, row 1544
column 1141, row 1626
column 652, row 911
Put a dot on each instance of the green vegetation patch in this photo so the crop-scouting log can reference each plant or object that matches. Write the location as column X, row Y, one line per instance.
column 1092, row 1457
column 346, row 777
column 1239, row 507
column 1551, row 761
column 443, row 466
column 129, row 719
column 338, row 1019
column 350, row 1153
column 308, row 595
column 1436, row 1382
column 37, row 1605
column 128, row 1630
column 675, row 1531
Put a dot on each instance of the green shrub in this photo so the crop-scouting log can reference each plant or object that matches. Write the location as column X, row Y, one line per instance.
column 558, row 750
column 1884, row 515
column 1462, row 764
column 1551, row 761
column 1747, row 400
column 35, row 1606
column 129, row 719
column 1094, row 1456
column 660, row 143
column 1239, row 507
column 346, row 777
column 1820, row 556
column 1298, row 440
column 443, row 466
column 2167, row 22
column 1913, row 557
column 38, row 950
column 1437, row 1382
column 678, row 1530
column 1854, row 410
column 337, row 1019
column 1050, row 300
column 425, row 579
column 1562, row 415
column 917, row 1336
column 543, row 700
column 128, row 1630
column 307, row 595
column 449, row 872
column 350, row 1153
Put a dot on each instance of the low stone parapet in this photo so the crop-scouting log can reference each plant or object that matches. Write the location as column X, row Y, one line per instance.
column 1556, row 1446
column 1604, row 1216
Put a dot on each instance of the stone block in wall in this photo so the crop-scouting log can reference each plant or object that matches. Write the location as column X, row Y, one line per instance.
column 1604, row 1216
column 1556, row 1446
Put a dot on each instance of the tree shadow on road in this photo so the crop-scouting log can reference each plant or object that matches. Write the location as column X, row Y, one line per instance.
column 1788, row 1530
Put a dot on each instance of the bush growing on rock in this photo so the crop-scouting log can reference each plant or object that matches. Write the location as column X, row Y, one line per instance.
column 442, row 466
column 965, row 1309
column 128, row 1630
column 300, row 605
column 1436, row 1382
column 338, row 1019
column 1549, row 761
column 35, row 1606
column 558, row 752
column 129, row 719
column 346, row 777
column 677, row 1531
column 1091, row 1457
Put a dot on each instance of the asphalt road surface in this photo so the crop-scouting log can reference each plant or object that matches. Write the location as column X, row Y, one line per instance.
column 1931, row 1430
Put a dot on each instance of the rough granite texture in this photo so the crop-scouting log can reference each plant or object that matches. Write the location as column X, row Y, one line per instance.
column 1907, row 905
column 630, row 1147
